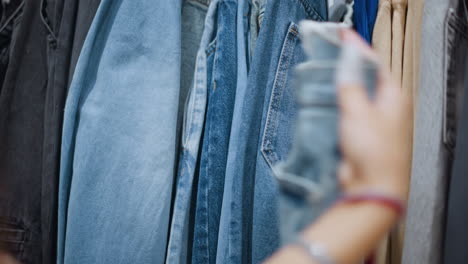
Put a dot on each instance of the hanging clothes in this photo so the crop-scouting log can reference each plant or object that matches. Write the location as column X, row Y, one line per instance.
column 456, row 232
column 364, row 17
column 119, row 136
column 249, row 217
column 435, row 131
column 40, row 43
column 198, row 23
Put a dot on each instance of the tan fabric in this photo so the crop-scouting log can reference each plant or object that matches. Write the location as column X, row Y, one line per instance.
column 382, row 43
column 410, row 84
column 382, row 35
column 397, row 40
column 411, row 57
column 398, row 37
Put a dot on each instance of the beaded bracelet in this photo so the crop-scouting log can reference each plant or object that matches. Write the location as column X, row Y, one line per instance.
column 392, row 203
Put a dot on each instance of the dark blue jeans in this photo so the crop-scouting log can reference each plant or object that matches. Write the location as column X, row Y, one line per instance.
column 222, row 74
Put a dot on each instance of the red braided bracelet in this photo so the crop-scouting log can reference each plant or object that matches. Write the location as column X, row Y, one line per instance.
column 395, row 204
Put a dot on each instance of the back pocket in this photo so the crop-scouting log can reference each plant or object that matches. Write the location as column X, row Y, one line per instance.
column 282, row 109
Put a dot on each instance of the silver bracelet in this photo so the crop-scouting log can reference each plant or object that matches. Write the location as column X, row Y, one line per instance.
column 316, row 251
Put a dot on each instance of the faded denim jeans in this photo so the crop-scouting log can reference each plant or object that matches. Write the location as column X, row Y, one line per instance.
column 179, row 247
column 119, row 136
column 307, row 178
column 222, row 73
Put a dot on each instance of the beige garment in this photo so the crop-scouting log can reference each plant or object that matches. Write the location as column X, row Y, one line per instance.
column 398, row 37
column 398, row 40
column 410, row 84
column 382, row 35
column 412, row 47
column 382, row 43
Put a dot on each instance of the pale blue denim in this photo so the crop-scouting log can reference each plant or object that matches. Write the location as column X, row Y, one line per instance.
column 213, row 156
column 118, row 149
column 307, row 178
column 193, row 22
column 179, row 246
column 249, row 228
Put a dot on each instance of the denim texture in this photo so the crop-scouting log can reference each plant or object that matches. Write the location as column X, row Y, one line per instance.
column 119, row 136
column 179, row 246
column 364, row 16
column 257, row 12
column 456, row 232
column 37, row 40
column 193, row 20
column 213, row 157
column 307, row 178
column 249, row 219
column 75, row 18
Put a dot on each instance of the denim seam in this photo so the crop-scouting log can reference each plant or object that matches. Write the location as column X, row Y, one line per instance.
column 45, row 23
column 311, row 11
column 278, row 88
column 211, row 47
column 12, row 16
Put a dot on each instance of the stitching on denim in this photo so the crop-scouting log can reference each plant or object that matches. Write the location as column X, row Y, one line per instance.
column 312, row 13
column 15, row 14
column 44, row 20
column 277, row 91
column 211, row 47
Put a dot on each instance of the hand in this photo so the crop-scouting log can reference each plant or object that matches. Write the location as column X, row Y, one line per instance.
column 375, row 135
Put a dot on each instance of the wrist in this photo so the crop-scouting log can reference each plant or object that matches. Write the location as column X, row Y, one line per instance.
column 388, row 201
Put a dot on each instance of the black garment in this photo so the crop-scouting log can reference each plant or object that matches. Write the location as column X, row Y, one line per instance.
column 456, row 233
column 76, row 17
column 38, row 49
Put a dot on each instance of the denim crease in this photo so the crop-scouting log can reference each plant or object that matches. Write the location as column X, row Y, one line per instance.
column 213, row 157
column 249, row 230
column 118, row 149
column 307, row 177
column 179, row 245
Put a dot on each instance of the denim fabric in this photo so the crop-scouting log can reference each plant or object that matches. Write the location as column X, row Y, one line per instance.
column 193, row 20
column 70, row 25
column 118, row 145
column 365, row 13
column 221, row 94
column 179, row 246
column 307, row 178
column 257, row 12
column 36, row 43
column 249, row 232
column 456, row 232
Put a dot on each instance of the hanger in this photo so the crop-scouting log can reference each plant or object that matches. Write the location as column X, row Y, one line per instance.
column 342, row 11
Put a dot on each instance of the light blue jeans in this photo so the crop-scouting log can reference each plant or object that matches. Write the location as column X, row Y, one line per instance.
column 307, row 177
column 119, row 135
column 194, row 118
